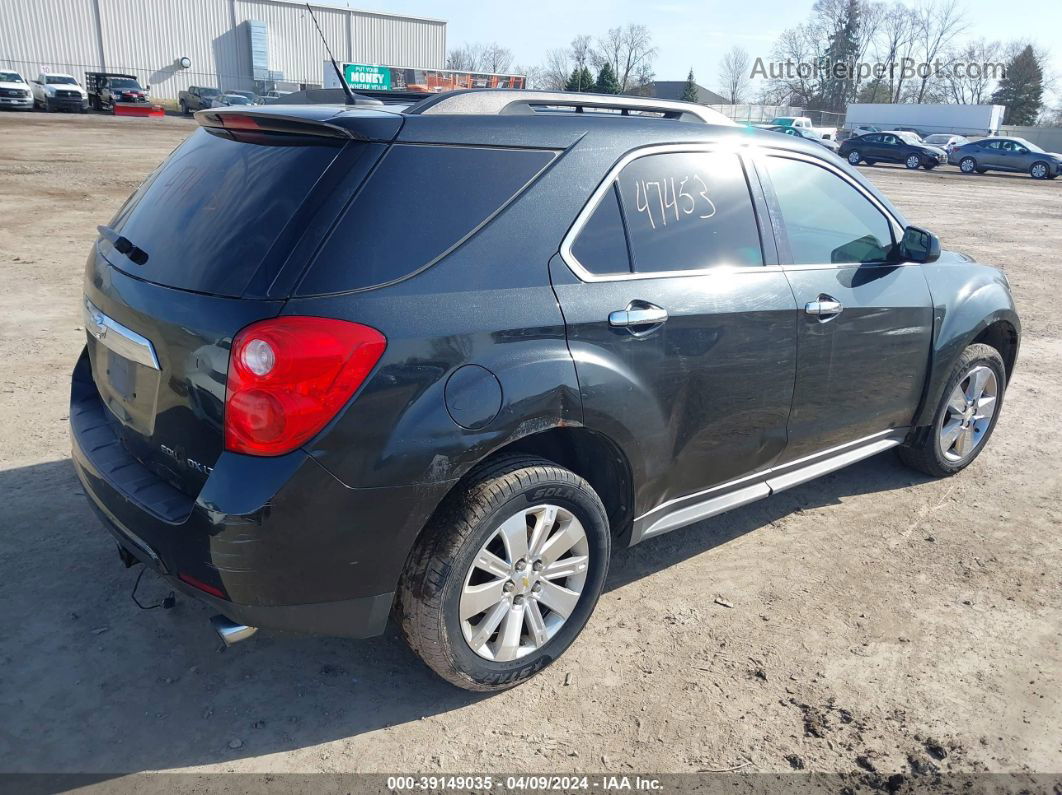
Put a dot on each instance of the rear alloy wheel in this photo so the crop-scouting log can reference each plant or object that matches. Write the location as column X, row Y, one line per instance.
column 913, row 161
column 854, row 157
column 1039, row 170
column 965, row 416
column 506, row 575
column 968, row 165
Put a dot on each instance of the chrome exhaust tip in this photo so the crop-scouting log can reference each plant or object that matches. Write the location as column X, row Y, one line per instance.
column 229, row 631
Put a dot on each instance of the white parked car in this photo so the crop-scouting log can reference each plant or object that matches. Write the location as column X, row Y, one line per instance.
column 56, row 91
column 225, row 100
column 15, row 92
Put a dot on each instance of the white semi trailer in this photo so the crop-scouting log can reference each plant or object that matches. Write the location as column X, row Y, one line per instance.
column 926, row 119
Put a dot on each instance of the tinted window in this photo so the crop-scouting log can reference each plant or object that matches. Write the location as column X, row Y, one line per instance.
column 871, row 139
column 687, row 211
column 418, row 204
column 601, row 246
column 208, row 216
column 826, row 219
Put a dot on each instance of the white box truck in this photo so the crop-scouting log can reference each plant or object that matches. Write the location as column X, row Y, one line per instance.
column 926, row 119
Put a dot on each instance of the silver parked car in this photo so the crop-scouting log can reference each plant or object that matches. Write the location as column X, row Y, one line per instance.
column 1006, row 154
column 946, row 141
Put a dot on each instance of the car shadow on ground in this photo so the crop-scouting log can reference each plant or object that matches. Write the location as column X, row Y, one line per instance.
column 127, row 690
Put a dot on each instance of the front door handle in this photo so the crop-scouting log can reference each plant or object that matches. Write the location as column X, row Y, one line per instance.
column 824, row 307
column 637, row 314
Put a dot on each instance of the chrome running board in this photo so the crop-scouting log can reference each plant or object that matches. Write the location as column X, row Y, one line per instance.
column 719, row 499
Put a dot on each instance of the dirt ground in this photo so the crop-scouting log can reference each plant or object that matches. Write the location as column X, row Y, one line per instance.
column 880, row 623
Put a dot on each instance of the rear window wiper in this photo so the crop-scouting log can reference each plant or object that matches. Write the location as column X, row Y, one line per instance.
column 123, row 245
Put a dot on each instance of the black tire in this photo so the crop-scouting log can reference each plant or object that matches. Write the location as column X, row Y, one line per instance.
column 871, row 162
column 923, row 452
column 184, row 108
column 913, row 162
column 929, row 166
column 1040, row 170
column 854, row 157
column 430, row 590
column 968, row 166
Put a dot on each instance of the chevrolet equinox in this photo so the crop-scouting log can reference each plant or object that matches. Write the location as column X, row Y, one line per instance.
column 436, row 360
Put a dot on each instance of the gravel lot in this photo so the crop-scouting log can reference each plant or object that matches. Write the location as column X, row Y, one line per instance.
column 880, row 623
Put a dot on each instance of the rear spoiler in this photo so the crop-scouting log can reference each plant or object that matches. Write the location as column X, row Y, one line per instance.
column 341, row 122
column 249, row 121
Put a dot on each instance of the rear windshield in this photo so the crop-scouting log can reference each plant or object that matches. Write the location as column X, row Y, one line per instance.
column 418, row 205
column 209, row 214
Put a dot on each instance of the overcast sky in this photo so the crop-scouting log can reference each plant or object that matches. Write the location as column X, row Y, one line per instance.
column 686, row 32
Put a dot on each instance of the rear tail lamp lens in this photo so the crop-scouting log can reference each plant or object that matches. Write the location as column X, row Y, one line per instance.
column 289, row 376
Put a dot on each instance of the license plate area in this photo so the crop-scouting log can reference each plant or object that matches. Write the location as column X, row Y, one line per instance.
column 126, row 371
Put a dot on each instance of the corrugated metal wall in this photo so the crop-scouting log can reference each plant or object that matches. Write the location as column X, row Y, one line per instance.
column 146, row 37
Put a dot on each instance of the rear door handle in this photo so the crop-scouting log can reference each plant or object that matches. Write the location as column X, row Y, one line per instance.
column 825, row 307
column 637, row 313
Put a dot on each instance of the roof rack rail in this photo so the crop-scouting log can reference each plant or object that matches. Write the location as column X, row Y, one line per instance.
column 508, row 101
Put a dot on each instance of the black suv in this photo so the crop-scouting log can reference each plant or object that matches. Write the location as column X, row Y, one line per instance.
column 436, row 360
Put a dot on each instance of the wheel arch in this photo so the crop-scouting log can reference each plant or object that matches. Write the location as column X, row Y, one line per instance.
column 968, row 310
column 590, row 454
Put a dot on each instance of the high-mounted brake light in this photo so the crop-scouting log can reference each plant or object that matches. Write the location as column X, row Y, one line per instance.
column 289, row 376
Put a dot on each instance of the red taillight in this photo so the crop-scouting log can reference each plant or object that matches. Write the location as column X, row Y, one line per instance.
column 202, row 586
column 289, row 376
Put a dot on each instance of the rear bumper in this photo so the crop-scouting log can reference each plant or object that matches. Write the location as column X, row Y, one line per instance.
column 285, row 543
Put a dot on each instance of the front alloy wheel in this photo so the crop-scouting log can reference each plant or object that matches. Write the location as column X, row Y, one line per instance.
column 1038, row 170
column 968, row 414
column 854, row 157
column 913, row 161
column 524, row 583
column 967, row 165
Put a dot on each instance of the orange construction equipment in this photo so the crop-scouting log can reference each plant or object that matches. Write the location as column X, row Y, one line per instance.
column 138, row 109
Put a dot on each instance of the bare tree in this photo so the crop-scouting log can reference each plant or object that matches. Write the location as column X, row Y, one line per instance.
column 497, row 59
column 555, row 72
column 466, row 58
column 480, row 58
column 968, row 80
column 580, row 50
column 936, row 24
column 630, row 52
column 735, row 74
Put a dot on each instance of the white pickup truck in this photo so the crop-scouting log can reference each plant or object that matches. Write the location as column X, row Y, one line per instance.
column 57, row 91
column 14, row 91
column 804, row 123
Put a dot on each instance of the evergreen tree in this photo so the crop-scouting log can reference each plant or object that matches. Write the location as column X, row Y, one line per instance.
column 581, row 80
column 689, row 91
column 841, row 57
column 607, row 82
column 1021, row 89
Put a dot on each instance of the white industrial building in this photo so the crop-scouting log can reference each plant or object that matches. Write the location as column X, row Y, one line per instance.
column 231, row 44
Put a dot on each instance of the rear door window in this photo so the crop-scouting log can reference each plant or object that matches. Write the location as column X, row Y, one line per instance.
column 209, row 215
column 689, row 211
column 419, row 204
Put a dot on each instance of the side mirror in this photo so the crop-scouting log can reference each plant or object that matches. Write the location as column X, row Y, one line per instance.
column 918, row 245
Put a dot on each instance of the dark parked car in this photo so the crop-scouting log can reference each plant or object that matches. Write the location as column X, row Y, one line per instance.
column 105, row 89
column 1006, row 154
column 197, row 98
column 896, row 146
column 800, row 132
column 438, row 360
